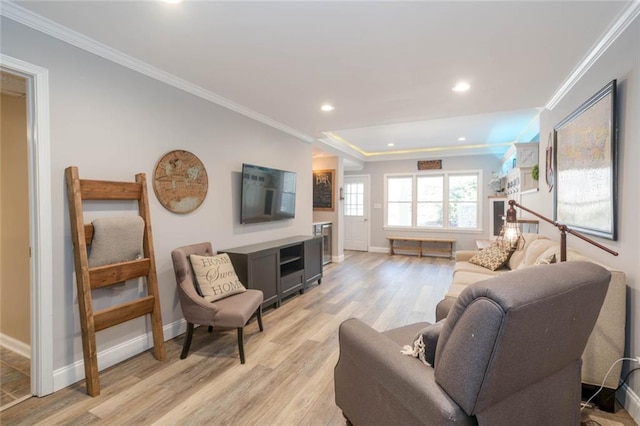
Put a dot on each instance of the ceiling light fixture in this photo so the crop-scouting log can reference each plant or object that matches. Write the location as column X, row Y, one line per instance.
column 462, row 139
column 390, row 144
column 173, row 1
column 327, row 108
column 461, row 86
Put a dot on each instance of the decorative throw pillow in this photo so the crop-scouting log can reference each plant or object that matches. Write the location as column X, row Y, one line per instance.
column 546, row 260
column 215, row 276
column 493, row 257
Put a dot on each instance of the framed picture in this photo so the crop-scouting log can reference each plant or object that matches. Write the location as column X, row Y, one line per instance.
column 323, row 189
column 585, row 172
column 430, row 165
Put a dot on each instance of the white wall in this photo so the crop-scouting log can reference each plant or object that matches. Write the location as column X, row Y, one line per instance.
column 112, row 123
column 377, row 170
column 621, row 62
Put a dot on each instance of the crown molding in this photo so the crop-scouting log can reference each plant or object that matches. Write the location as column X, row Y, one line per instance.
column 626, row 17
column 60, row 32
column 331, row 141
column 342, row 144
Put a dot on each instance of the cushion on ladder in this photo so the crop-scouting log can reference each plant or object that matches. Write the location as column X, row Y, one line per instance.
column 116, row 239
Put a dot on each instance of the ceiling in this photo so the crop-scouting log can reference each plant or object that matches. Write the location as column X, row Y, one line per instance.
column 387, row 67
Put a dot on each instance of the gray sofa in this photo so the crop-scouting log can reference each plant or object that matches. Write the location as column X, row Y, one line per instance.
column 606, row 343
column 506, row 342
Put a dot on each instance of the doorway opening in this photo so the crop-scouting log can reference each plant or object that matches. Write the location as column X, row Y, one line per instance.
column 38, row 248
column 15, row 319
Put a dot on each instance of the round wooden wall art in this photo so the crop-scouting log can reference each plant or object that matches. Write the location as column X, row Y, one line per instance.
column 180, row 181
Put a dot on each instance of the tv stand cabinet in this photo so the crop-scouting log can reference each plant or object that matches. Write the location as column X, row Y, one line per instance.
column 279, row 268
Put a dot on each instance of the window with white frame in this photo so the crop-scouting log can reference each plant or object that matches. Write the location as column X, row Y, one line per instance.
column 433, row 200
column 354, row 199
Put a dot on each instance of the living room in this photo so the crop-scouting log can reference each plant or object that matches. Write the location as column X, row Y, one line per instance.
column 112, row 121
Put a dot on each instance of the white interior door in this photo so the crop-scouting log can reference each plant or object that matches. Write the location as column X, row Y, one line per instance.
column 356, row 213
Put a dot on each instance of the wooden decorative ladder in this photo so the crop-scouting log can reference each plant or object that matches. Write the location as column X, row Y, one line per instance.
column 102, row 276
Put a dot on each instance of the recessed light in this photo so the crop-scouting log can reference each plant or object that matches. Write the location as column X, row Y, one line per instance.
column 461, row 86
column 390, row 144
column 173, row 1
column 327, row 108
column 462, row 139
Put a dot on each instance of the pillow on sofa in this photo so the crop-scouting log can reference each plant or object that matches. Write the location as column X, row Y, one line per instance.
column 424, row 344
column 517, row 258
column 215, row 276
column 546, row 260
column 492, row 257
column 539, row 248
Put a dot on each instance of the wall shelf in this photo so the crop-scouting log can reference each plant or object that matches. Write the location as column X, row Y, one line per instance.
column 517, row 168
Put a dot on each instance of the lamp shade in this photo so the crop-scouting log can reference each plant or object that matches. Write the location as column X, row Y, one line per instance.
column 510, row 235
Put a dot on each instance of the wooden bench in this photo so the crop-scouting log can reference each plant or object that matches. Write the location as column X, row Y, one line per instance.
column 420, row 248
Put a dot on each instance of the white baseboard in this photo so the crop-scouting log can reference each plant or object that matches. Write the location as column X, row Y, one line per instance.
column 73, row 373
column 16, row 346
column 630, row 401
column 379, row 250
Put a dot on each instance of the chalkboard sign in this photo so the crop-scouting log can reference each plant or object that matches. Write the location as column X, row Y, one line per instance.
column 323, row 189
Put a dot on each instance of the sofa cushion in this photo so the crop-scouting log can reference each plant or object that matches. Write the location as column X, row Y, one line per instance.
column 536, row 249
column 518, row 255
column 476, row 269
column 466, row 280
column 492, row 258
column 215, row 276
column 461, row 279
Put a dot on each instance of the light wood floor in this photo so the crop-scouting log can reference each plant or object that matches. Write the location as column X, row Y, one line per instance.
column 15, row 380
column 288, row 376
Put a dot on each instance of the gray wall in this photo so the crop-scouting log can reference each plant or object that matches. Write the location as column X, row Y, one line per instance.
column 377, row 170
column 112, row 123
column 621, row 62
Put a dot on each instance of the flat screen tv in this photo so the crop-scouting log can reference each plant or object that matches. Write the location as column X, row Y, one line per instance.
column 267, row 194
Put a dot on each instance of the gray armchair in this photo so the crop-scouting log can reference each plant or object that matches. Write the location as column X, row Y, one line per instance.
column 231, row 312
column 508, row 353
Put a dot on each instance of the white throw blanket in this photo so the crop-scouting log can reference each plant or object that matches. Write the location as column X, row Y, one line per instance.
column 417, row 351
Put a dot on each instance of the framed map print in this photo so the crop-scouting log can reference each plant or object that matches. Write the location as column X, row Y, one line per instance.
column 585, row 158
column 180, row 181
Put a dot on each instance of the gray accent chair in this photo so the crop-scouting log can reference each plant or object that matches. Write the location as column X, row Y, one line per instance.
column 231, row 312
column 508, row 353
